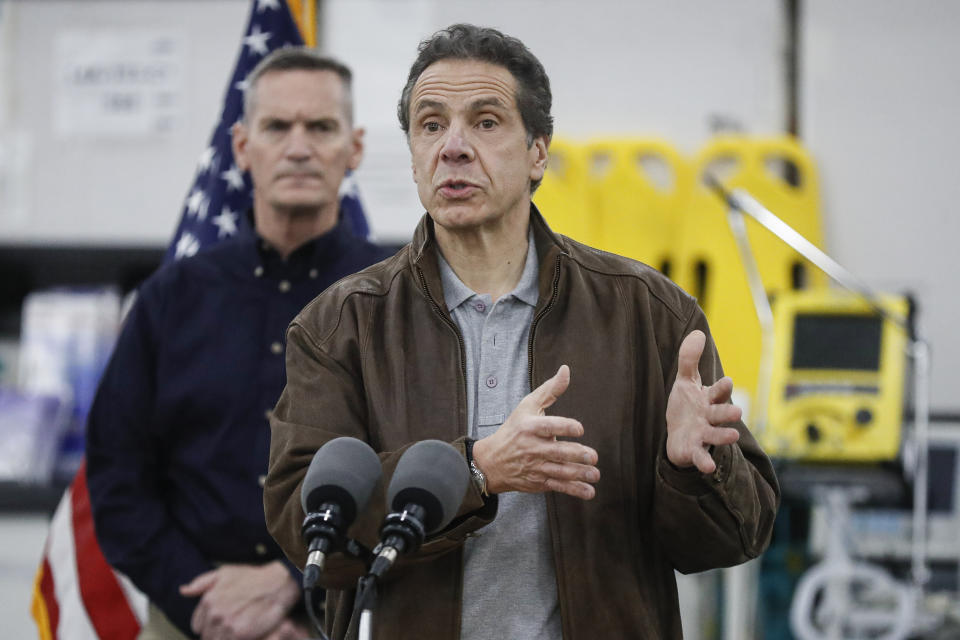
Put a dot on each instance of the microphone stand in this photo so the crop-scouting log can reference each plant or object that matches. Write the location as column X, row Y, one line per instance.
column 356, row 550
column 366, row 601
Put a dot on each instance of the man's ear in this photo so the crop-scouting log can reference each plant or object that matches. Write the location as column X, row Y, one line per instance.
column 238, row 140
column 356, row 153
column 539, row 152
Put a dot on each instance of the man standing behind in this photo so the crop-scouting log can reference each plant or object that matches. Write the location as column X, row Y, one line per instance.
column 576, row 520
column 178, row 435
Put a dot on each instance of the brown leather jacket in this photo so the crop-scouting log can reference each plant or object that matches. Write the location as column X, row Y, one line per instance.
column 377, row 357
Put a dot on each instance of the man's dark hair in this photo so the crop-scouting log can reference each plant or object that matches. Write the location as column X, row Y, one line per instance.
column 297, row 59
column 469, row 42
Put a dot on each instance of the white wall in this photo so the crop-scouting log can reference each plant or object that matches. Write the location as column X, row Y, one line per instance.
column 644, row 67
column 616, row 67
column 880, row 101
column 108, row 189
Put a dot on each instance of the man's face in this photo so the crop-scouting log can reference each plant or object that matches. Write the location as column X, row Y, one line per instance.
column 298, row 143
column 471, row 161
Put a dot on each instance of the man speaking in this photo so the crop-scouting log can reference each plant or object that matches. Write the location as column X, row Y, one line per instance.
column 582, row 389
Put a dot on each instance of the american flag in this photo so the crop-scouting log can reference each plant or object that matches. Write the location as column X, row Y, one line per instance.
column 77, row 595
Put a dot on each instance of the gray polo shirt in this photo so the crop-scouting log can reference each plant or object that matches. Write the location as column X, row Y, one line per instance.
column 509, row 584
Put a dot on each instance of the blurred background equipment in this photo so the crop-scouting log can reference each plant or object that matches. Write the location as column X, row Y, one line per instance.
column 66, row 339
column 836, row 392
column 840, row 597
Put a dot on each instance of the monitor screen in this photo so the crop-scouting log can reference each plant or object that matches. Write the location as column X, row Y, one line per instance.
column 835, row 341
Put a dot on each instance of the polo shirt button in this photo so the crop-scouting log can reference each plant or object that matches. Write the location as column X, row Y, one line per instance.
column 261, row 549
column 262, row 480
column 284, row 286
column 491, row 382
column 481, row 307
column 258, row 272
column 314, row 273
column 276, row 348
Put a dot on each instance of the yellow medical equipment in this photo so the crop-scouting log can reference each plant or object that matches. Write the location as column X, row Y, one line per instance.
column 837, row 383
column 781, row 175
column 562, row 196
column 639, row 187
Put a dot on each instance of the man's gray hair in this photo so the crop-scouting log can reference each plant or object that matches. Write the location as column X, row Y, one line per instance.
column 297, row 59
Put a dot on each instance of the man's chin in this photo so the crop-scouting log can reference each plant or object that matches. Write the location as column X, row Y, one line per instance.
column 458, row 215
column 300, row 205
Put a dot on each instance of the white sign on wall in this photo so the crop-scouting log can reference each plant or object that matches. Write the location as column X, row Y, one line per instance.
column 110, row 82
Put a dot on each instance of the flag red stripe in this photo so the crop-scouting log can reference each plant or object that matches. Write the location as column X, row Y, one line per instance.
column 103, row 598
column 49, row 599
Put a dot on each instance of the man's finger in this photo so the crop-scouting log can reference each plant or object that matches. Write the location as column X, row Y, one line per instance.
column 720, row 391
column 556, row 426
column 576, row 489
column 720, row 435
column 199, row 585
column 688, row 359
column 723, row 413
column 548, row 392
column 571, row 452
column 703, row 461
column 569, row 471
column 199, row 617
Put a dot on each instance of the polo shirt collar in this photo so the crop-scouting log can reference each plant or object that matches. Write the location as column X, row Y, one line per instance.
column 455, row 292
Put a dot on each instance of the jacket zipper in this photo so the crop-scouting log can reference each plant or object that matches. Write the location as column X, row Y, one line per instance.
column 551, row 509
column 536, row 321
column 453, row 327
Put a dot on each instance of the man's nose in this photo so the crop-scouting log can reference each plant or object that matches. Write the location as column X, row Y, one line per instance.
column 298, row 144
column 456, row 147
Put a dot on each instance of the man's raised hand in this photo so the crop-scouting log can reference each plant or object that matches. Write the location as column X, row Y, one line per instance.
column 694, row 412
column 525, row 455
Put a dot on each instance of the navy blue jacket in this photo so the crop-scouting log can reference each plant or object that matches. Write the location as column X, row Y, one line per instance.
column 178, row 437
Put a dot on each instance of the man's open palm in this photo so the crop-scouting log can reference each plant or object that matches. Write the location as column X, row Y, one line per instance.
column 694, row 412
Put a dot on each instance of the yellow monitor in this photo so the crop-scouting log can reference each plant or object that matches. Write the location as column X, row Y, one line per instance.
column 836, row 390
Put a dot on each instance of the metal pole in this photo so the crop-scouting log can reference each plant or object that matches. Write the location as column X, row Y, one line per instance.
column 758, row 413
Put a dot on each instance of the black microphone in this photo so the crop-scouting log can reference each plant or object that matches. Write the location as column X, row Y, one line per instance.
column 425, row 493
column 337, row 486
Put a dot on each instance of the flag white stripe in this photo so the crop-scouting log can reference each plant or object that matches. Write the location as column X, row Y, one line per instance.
column 61, row 553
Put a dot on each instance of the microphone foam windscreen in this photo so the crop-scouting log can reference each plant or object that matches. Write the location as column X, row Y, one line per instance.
column 345, row 471
column 432, row 474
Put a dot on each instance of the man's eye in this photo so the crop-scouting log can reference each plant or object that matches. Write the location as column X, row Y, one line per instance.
column 432, row 127
column 276, row 126
column 487, row 123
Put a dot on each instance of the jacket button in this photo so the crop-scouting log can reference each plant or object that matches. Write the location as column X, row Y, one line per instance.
column 260, row 549
column 314, row 273
column 284, row 286
column 258, row 272
column 276, row 348
column 262, row 480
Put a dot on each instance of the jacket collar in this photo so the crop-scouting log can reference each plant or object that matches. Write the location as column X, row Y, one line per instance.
column 550, row 245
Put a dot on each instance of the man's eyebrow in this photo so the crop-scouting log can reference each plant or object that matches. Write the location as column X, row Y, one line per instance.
column 480, row 103
column 428, row 104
